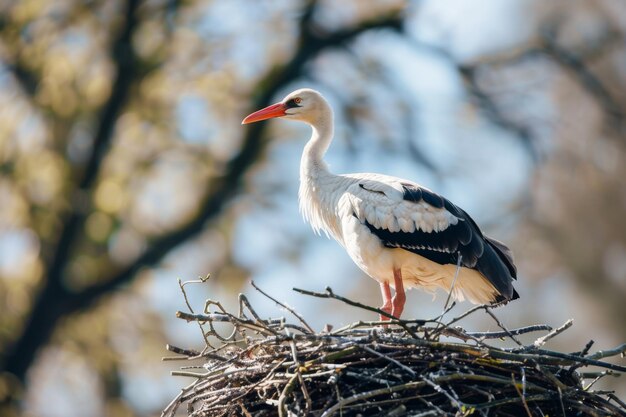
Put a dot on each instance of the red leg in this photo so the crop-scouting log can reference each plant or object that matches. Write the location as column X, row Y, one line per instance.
column 386, row 307
column 398, row 299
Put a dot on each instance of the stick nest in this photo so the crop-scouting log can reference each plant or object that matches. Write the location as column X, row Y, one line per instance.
column 270, row 367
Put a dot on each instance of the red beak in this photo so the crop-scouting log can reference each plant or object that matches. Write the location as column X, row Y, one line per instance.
column 275, row 110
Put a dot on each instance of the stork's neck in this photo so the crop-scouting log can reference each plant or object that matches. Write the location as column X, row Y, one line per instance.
column 312, row 164
column 319, row 189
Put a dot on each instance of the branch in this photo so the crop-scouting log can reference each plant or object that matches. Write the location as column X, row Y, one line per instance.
column 542, row 340
column 27, row 79
column 572, row 61
column 286, row 307
column 330, row 294
column 393, row 320
column 492, row 111
column 620, row 350
column 515, row 332
column 587, row 79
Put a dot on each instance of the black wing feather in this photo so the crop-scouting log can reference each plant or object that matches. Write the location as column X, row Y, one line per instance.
column 505, row 255
column 488, row 256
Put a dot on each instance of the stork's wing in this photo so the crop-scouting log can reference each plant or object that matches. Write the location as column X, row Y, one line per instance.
column 405, row 215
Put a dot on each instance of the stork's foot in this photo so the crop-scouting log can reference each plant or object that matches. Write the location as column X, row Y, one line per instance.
column 397, row 306
column 387, row 306
column 397, row 303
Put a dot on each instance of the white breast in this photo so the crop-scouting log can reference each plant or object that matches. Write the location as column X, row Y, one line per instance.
column 319, row 202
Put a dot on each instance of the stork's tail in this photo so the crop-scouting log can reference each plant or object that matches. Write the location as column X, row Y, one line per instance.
column 496, row 264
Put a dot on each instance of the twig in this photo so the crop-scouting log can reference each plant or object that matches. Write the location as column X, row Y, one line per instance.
column 207, row 309
column 455, row 401
column 620, row 350
column 330, row 294
column 245, row 304
column 598, row 376
column 189, row 374
column 182, row 290
column 561, row 401
column 551, row 377
column 181, row 351
column 415, row 385
column 285, row 306
column 564, row 358
column 456, row 275
column 392, row 360
column 370, row 324
column 542, row 340
column 226, row 318
column 284, row 394
column 373, row 393
column 170, row 409
column 507, row 331
column 613, row 397
column 296, row 361
column 473, row 310
column 585, row 350
column 505, row 401
column 589, row 375
column 516, row 332
column 269, row 375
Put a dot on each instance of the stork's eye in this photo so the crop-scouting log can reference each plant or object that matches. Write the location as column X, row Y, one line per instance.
column 294, row 102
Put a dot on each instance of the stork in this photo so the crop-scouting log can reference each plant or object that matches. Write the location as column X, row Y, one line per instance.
column 398, row 232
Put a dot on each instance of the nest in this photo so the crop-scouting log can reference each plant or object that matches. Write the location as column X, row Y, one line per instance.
column 270, row 367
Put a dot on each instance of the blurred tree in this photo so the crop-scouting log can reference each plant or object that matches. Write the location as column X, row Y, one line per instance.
column 97, row 83
column 119, row 143
column 577, row 197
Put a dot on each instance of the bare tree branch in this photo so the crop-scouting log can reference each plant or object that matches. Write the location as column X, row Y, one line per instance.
column 27, row 79
column 493, row 112
column 576, row 66
column 570, row 60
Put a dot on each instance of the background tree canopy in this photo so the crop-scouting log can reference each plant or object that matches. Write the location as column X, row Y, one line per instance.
column 123, row 166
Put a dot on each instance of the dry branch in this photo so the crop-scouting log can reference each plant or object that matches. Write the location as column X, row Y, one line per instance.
column 270, row 367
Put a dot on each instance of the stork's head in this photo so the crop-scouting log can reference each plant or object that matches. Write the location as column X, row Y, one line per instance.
column 306, row 105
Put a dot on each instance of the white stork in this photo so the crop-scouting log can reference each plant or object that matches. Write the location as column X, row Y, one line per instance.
column 398, row 232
